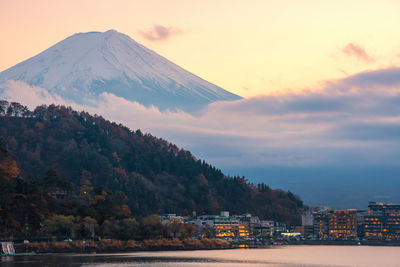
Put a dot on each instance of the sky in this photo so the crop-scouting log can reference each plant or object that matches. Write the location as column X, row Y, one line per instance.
column 320, row 81
column 246, row 47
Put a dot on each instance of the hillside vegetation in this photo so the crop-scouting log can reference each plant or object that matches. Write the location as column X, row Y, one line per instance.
column 58, row 161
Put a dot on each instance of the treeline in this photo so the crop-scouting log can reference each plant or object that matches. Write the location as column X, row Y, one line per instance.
column 147, row 228
column 103, row 170
column 49, row 208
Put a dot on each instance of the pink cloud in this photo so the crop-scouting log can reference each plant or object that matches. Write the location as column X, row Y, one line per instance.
column 160, row 33
column 354, row 50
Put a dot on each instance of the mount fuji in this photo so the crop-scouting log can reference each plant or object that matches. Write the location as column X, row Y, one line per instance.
column 85, row 65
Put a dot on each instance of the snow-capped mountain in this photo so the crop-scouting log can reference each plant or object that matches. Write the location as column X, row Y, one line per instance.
column 84, row 65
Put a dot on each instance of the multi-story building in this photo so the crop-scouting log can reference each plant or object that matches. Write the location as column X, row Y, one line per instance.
column 247, row 224
column 307, row 224
column 307, row 218
column 264, row 229
column 342, row 223
column 222, row 226
column 382, row 221
column 321, row 223
column 279, row 228
column 243, row 230
column 360, row 222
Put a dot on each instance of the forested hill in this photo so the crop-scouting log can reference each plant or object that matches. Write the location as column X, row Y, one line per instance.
column 96, row 157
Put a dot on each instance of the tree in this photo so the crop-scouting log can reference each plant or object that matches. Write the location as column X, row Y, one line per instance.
column 50, row 178
column 59, row 225
column 151, row 227
column 130, row 230
column 90, row 225
column 3, row 107
column 174, row 228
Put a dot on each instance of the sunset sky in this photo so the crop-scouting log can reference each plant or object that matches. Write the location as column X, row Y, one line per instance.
column 247, row 47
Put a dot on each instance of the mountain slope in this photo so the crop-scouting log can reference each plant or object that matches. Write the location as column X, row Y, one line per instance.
column 85, row 65
column 154, row 174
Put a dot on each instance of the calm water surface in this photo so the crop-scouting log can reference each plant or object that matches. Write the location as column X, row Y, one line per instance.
column 281, row 256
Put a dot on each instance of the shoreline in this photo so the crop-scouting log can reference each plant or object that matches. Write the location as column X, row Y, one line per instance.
column 160, row 245
column 380, row 243
column 282, row 256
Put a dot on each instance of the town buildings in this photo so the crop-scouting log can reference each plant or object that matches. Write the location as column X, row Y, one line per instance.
column 235, row 226
column 222, row 225
column 382, row 221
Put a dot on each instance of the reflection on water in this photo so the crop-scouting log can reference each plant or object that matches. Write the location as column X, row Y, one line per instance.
column 283, row 256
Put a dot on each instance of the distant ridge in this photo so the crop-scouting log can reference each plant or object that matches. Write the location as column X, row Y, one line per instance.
column 85, row 65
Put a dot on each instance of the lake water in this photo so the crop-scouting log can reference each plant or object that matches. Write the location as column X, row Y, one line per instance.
column 279, row 256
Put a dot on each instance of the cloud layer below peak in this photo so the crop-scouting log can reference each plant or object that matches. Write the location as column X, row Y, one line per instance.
column 354, row 121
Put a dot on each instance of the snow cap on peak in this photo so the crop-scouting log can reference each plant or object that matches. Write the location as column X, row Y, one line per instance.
column 106, row 33
column 112, row 31
column 85, row 65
